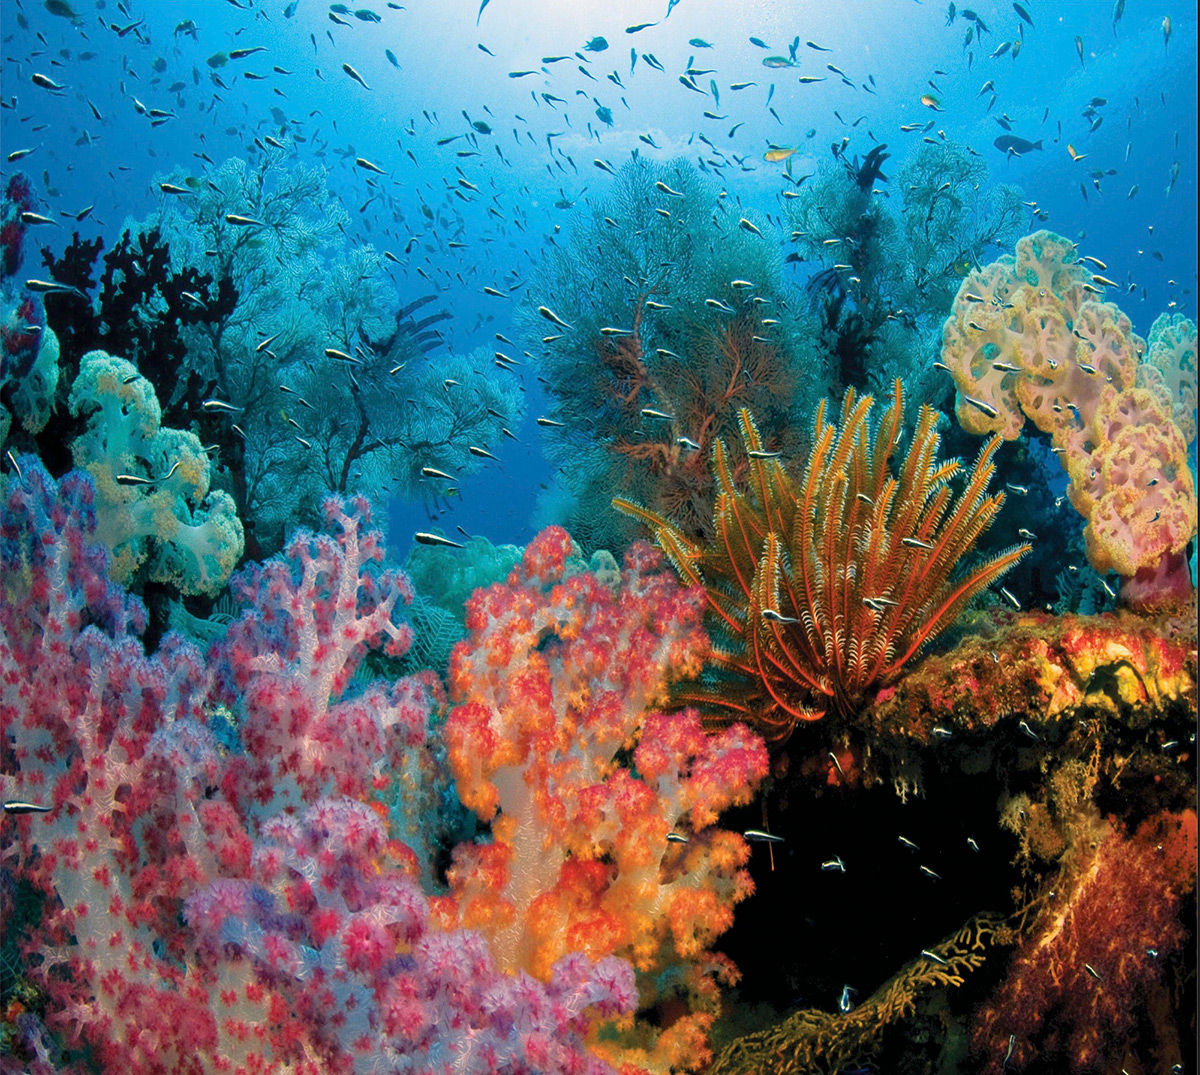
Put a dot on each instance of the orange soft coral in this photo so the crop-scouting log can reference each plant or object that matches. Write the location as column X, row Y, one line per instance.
column 557, row 742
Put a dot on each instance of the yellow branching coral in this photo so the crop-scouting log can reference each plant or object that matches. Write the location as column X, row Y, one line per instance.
column 813, row 1040
column 822, row 589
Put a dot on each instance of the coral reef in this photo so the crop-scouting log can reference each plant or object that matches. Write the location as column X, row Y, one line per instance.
column 678, row 318
column 825, row 588
column 141, row 311
column 443, row 579
column 1093, row 953
column 155, row 510
column 1052, row 672
column 29, row 351
column 244, row 908
column 1171, row 349
column 812, row 1040
column 882, row 279
column 315, row 355
column 1027, row 339
column 603, row 811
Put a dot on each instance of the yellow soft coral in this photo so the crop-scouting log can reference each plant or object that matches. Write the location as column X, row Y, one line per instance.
column 1173, row 354
column 153, row 503
column 1030, row 337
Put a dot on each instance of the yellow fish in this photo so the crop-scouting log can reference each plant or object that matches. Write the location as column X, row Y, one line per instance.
column 779, row 153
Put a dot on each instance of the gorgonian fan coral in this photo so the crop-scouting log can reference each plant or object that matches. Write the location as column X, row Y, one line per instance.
column 678, row 315
column 823, row 589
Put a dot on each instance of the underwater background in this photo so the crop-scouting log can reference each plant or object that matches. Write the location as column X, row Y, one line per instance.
column 587, row 537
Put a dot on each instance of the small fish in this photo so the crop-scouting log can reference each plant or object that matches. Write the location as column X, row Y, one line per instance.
column 929, row 873
column 987, row 408
column 219, row 405
column 929, row 101
column 1093, row 972
column 845, row 1003
column 1027, row 731
column 688, row 443
column 16, row 807
column 639, row 27
column 551, row 316
column 421, row 537
column 760, row 837
column 779, row 153
column 596, row 44
column 745, row 225
column 916, row 543
column 650, row 412
column 134, row 479
column 355, row 75
column 481, row 453
column 551, row 423
column 36, row 218
column 908, row 843
column 18, row 154
column 1079, row 49
column 243, row 221
column 942, row 733
column 241, row 54
column 835, row 863
column 604, row 166
column 1166, row 29
column 366, row 165
column 1020, row 490
column 756, row 454
column 676, row 838
column 972, row 844
column 1028, row 535
column 777, row 617
column 933, row 956
column 667, row 190
column 46, row 83
column 52, row 287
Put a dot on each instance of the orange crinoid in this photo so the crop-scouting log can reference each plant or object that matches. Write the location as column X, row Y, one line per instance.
column 821, row 590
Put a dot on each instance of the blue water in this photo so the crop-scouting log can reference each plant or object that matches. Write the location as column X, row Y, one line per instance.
column 1149, row 122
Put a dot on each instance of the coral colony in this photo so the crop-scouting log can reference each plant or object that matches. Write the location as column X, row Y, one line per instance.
column 260, row 817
